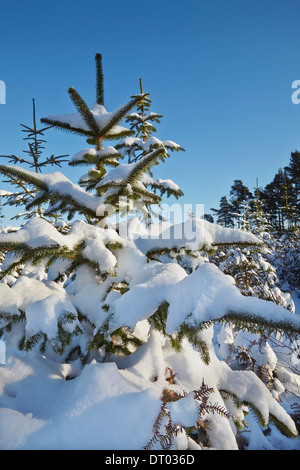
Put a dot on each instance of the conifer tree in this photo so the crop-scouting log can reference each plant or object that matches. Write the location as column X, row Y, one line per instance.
column 224, row 213
column 134, row 148
column 101, row 293
column 117, row 190
column 35, row 160
column 98, row 126
column 293, row 173
column 277, row 198
column 142, row 123
column 239, row 193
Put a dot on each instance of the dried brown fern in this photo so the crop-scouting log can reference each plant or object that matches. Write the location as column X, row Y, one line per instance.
column 165, row 439
column 265, row 375
column 164, row 432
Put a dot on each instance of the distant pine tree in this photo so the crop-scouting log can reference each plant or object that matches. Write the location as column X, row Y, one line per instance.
column 35, row 160
column 239, row 194
column 224, row 213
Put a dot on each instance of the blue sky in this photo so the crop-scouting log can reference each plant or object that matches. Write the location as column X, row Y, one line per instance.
column 220, row 72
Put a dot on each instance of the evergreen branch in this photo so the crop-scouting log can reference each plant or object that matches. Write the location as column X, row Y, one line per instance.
column 122, row 133
column 99, row 80
column 252, row 323
column 95, row 132
column 143, row 164
column 12, row 246
column 259, row 324
column 170, row 191
column 118, row 116
column 66, row 203
column 282, row 427
column 64, row 126
column 30, row 342
column 138, row 169
column 24, row 175
column 15, row 159
column 31, row 132
column 192, row 334
column 16, row 181
column 243, row 321
column 40, row 198
column 51, row 254
column 61, row 202
column 10, row 321
column 94, row 159
column 58, row 160
column 237, row 243
column 85, row 112
column 152, row 197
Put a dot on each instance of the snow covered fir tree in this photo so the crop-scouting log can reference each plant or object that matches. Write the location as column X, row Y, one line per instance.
column 117, row 325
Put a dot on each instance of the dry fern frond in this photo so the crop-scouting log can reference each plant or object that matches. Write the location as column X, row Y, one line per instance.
column 165, row 430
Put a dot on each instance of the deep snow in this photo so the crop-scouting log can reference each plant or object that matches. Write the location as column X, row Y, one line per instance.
column 113, row 404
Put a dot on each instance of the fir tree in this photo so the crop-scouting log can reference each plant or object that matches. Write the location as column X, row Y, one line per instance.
column 293, row 173
column 277, row 201
column 117, row 190
column 142, row 123
column 35, row 160
column 137, row 147
column 99, row 293
column 239, row 193
column 224, row 213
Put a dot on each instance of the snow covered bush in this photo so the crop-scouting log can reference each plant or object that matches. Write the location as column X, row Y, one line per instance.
column 116, row 314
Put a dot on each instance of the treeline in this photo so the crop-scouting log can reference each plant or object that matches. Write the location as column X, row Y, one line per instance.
column 279, row 200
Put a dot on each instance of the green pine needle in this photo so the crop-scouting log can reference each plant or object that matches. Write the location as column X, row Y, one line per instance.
column 85, row 112
column 99, row 80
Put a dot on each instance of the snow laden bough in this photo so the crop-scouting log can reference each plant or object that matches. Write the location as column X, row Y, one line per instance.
column 110, row 289
column 113, row 282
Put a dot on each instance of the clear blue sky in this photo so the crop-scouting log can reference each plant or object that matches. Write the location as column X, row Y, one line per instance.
column 220, row 72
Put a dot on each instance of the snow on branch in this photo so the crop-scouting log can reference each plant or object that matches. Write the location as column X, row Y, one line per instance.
column 56, row 185
column 102, row 122
column 192, row 234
